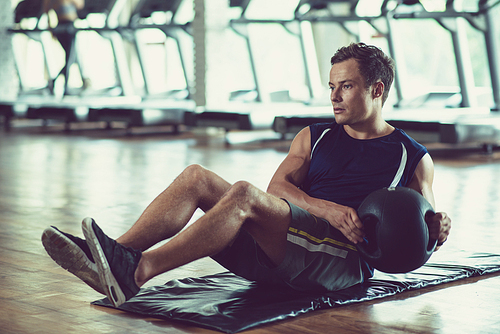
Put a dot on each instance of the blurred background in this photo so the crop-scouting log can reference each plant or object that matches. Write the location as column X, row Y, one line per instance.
column 152, row 61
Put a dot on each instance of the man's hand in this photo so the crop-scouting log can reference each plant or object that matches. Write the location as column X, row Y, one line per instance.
column 346, row 220
column 439, row 227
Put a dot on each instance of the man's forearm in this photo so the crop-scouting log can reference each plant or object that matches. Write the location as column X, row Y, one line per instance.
column 296, row 196
column 343, row 218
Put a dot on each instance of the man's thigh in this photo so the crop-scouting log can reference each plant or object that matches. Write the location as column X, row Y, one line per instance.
column 268, row 226
column 245, row 258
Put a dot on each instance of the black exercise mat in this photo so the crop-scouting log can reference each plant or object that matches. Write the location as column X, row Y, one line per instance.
column 229, row 303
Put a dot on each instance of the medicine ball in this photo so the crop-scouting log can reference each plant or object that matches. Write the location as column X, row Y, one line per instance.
column 396, row 234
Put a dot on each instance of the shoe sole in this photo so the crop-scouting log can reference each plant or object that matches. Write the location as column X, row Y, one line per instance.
column 108, row 281
column 71, row 257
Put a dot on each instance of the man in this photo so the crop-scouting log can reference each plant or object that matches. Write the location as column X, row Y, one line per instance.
column 67, row 14
column 302, row 232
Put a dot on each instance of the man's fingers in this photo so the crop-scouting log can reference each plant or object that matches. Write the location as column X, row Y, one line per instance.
column 439, row 226
column 357, row 227
column 348, row 222
column 353, row 233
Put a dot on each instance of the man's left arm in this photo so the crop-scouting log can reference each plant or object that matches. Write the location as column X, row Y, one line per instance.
column 439, row 224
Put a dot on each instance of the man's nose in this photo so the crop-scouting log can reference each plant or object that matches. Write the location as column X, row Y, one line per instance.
column 335, row 96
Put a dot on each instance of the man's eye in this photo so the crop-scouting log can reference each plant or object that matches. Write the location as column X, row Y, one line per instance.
column 347, row 86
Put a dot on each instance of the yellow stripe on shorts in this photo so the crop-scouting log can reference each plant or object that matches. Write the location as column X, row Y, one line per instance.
column 322, row 241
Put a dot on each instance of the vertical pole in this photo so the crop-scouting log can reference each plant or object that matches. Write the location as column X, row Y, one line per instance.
column 198, row 25
column 303, row 49
column 492, row 52
column 9, row 80
column 122, row 68
column 183, row 63
column 252, row 66
column 464, row 67
column 392, row 51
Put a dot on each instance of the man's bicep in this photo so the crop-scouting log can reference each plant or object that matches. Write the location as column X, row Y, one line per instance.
column 423, row 178
column 293, row 169
column 296, row 164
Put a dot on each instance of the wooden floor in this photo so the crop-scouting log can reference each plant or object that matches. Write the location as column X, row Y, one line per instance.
column 48, row 177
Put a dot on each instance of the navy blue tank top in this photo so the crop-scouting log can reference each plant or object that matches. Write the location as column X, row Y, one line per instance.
column 345, row 170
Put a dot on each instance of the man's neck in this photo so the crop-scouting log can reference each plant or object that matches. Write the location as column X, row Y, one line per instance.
column 373, row 130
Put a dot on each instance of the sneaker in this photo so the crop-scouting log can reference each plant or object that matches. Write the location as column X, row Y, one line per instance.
column 73, row 254
column 116, row 264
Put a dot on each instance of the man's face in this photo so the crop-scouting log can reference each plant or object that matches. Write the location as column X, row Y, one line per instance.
column 351, row 100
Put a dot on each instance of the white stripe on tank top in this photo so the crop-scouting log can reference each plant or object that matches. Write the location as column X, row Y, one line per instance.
column 401, row 169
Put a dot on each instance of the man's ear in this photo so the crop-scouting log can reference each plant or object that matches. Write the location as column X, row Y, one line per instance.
column 378, row 89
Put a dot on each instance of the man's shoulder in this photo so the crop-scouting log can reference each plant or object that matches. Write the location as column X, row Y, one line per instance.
column 402, row 135
column 320, row 127
column 408, row 141
column 319, row 130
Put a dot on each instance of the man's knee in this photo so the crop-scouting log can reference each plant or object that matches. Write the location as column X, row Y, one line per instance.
column 195, row 171
column 247, row 197
column 243, row 190
column 197, row 176
column 207, row 186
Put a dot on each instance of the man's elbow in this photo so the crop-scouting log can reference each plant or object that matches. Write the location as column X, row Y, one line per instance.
column 278, row 188
column 273, row 189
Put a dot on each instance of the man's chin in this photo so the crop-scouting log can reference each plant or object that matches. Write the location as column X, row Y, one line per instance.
column 340, row 120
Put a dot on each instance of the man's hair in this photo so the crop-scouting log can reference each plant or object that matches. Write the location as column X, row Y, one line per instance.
column 373, row 64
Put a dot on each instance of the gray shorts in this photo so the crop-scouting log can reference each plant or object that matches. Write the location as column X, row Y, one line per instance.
column 318, row 257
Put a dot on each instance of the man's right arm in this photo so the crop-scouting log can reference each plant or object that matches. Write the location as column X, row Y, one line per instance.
column 293, row 170
column 289, row 177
